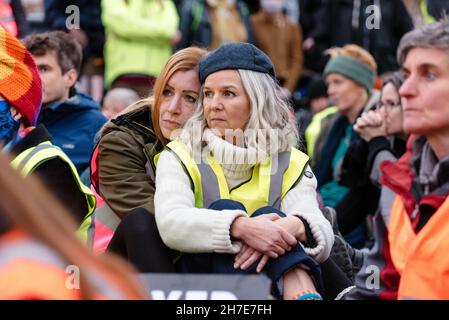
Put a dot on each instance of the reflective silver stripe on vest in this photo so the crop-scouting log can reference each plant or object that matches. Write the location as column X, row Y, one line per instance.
column 106, row 216
column 35, row 251
column 277, row 176
column 209, row 184
column 30, row 250
column 91, row 231
column 211, row 190
column 33, row 152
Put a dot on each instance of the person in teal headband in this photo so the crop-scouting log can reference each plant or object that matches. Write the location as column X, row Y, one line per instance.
column 357, row 71
column 350, row 75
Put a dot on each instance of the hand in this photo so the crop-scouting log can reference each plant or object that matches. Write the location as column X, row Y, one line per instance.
column 247, row 256
column 263, row 235
column 372, row 118
column 370, row 125
column 294, row 226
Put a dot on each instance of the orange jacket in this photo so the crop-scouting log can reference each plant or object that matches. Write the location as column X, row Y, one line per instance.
column 421, row 259
column 31, row 270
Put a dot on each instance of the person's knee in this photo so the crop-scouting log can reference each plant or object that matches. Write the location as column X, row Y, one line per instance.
column 138, row 220
column 226, row 204
column 268, row 210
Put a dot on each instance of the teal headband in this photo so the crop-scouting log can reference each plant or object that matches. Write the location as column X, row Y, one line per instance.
column 353, row 69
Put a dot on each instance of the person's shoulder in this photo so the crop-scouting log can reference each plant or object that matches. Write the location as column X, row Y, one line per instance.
column 137, row 123
column 54, row 167
column 140, row 116
column 88, row 118
column 327, row 118
column 167, row 158
column 120, row 137
column 86, row 106
column 98, row 116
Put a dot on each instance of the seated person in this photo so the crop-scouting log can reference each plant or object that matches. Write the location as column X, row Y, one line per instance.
column 250, row 204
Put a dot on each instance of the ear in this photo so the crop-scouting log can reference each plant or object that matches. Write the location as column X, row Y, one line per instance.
column 70, row 78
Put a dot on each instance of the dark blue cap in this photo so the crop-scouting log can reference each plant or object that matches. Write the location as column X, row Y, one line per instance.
column 235, row 55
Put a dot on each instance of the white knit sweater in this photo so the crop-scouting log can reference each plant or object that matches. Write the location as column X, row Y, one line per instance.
column 188, row 229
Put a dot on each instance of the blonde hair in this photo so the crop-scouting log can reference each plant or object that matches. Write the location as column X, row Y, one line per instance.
column 355, row 52
column 268, row 110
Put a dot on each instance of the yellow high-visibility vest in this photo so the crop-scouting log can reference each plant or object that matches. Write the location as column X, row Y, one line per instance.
column 269, row 183
column 27, row 161
column 314, row 128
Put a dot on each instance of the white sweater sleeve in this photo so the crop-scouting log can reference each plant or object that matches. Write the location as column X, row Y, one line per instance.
column 302, row 201
column 182, row 226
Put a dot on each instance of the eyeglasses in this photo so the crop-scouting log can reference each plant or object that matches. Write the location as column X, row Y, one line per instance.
column 389, row 105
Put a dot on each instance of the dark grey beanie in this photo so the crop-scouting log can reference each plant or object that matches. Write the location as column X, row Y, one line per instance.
column 235, row 55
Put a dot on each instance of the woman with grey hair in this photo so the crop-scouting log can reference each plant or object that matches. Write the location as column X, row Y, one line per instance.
column 411, row 227
column 233, row 194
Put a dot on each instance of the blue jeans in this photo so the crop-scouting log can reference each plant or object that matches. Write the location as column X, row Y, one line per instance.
column 224, row 263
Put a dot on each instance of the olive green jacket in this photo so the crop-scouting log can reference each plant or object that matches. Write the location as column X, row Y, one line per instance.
column 126, row 176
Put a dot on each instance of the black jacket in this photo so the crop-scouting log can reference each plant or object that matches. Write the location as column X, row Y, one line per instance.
column 20, row 17
column 437, row 7
column 363, row 197
column 90, row 21
column 55, row 174
column 339, row 24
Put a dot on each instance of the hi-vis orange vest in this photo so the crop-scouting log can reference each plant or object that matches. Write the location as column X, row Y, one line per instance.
column 29, row 270
column 7, row 19
column 421, row 259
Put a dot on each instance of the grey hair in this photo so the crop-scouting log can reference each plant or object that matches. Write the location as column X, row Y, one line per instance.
column 124, row 95
column 434, row 35
column 269, row 110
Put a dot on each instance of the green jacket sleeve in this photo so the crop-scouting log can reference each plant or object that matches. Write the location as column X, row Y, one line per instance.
column 126, row 20
column 124, row 182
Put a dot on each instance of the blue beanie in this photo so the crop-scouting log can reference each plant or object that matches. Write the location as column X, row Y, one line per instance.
column 235, row 55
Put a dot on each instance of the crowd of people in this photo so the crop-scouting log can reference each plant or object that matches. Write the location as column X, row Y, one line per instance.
column 303, row 140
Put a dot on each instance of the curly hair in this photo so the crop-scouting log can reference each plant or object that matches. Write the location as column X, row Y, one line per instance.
column 68, row 51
